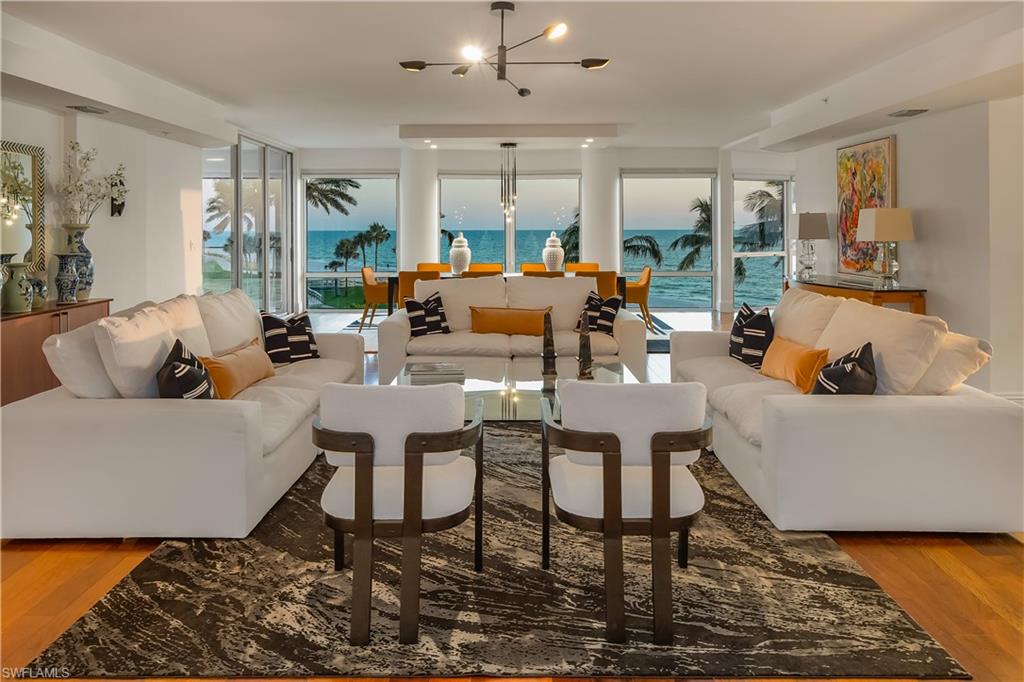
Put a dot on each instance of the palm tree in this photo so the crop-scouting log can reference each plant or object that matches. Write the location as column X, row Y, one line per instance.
column 361, row 241
column 643, row 246
column 377, row 234
column 697, row 240
column 766, row 204
column 571, row 239
column 328, row 193
column 345, row 250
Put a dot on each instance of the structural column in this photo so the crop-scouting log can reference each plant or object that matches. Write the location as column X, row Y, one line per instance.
column 600, row 238
column 722, row 241
column 418, row 230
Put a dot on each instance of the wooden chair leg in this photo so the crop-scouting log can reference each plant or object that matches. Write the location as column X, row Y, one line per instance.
column 362, row 320
column 409, row 610
column 339, row 550
column 373, row 311
column 661, row 551
column 684, row 547
column 614, row 587
column 545, row 507
column 362, row 585
column 478, row 521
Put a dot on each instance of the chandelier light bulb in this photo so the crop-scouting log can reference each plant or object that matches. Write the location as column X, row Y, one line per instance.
column 556, row 31
column 472, row 53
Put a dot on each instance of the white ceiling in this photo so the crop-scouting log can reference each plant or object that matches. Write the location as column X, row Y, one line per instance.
column 325, row 74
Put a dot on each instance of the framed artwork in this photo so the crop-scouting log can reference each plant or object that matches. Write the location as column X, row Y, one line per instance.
column 865, row 178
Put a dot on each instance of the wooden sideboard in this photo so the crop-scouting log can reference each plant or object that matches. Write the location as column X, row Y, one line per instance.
column 869, row 292
column 23, row 367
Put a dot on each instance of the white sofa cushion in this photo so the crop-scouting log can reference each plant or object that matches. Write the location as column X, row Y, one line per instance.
column 633, row 412
column 133, row 350
column 904, row 344
column 458, row 294
column 742, row 404
column 716, row 371
column 566, row 295
column 579, row 489
column 230, row 319
column 447, row 490
column 187, row 324
column 959, row 357
column 566, row 343
column 75, row 359
column 801, row 316
column 310, row 374
column 282, row 410
column 460, row 343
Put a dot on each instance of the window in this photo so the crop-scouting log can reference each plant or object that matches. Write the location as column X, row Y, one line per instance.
column 253, row 212
column 218, row 219
column 667, row 225
column 759, row 241
column 278, row 172
column 351, row 222
column 543, row 205
column 470, row 205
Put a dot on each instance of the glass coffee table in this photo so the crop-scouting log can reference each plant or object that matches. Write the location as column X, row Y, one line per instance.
column 511, row 388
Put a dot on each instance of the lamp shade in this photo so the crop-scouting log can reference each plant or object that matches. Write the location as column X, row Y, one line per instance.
column 812, row 226
column 885, row 225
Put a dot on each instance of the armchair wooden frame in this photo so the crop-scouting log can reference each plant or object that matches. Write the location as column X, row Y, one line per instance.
column 410, row 528
column 613, row 527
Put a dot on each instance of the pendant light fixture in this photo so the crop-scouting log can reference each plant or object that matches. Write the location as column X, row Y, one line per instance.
column 507, row 180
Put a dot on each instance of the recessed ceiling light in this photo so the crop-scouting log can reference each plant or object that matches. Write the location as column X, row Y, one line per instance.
column 218, row 158
column 433, row 146
column 584, row 145
column 589, row 139
column 426, row 141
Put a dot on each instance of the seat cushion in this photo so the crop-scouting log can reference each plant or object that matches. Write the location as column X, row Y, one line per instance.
column 717, row 371
column 230, row 319
column 458, row 294
column 742, row 404
column 567, row 343
column 579, row 489
column 567, row 297
column 282, row 410
column 801, row 316
column 311, row 374
column 447, row 490
column 460, row 343
column 187, row 324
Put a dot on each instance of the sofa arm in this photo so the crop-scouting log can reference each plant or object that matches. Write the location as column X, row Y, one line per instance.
column 77, row 467
column 341, row 346
column 630, row 334
column 392, row 338
column 687, row 345
column 895, row 462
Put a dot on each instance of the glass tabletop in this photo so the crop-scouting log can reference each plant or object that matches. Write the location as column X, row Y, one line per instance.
column 511, row 387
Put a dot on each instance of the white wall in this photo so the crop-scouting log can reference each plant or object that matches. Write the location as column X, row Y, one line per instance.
column 943, row 174
column 174, row 225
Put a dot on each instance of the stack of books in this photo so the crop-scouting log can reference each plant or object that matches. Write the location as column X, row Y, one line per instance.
column 425, row 373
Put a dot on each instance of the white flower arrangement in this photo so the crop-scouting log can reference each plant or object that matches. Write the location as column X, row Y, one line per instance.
column 81, row 195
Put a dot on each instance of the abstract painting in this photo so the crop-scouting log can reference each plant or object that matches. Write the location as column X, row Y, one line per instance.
column 865, row 178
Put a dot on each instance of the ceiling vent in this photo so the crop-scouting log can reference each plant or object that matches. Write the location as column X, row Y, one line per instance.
column 907, row 113
column 87, row 109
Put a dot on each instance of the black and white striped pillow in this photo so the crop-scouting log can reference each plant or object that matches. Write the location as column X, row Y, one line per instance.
column 183, row 376
column 427, row 316
column 852, row 374
column 751, row 335
column 601, row 313
column 288, row 340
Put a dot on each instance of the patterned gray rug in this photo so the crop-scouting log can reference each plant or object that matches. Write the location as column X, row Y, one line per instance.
column 754, row 601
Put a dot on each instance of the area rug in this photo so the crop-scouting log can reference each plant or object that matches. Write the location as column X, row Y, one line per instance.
column 754, row 601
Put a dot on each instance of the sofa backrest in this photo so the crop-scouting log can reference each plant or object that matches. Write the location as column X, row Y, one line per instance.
column 566, row 296
column 458, row 294
column 231, row 321
column 801, row 316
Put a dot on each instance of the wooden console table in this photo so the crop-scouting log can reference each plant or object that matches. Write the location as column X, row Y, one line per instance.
column 25, row 370
column 873, row 293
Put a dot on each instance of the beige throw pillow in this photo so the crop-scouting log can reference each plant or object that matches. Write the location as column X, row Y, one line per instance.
column 959, row 357
column 801, row 316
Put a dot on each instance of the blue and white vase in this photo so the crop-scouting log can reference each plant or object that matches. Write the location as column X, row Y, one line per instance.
column 86, row 269
column 5, row 258
column 17, row 294
column 39, row 292
column 66, row 279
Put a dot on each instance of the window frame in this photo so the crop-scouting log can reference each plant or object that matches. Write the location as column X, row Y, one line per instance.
column 787, row 210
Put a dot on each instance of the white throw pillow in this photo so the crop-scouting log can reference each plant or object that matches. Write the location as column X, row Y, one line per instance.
column 231, row 321
column 565, row 295
column 904, row 344
column 959, row 357
column 75, row 360
column 133, row 350
column 187, row 324
column 801, row 316
column 458, row 294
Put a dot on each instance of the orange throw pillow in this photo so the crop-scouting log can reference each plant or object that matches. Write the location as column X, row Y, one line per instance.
column 525, row 321
column 236, row 371
column 799, row 365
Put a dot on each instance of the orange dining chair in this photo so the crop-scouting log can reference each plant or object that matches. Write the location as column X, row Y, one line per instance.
column 434, row 267
column 543, row 273
column 639, row 292
column 486, row 267
column 607, row 282
column 374, row 294
column 407, row 283
column 532, row 267
column 582, row 267
column 470, row 274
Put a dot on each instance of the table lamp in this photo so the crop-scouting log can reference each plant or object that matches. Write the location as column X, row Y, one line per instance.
column 886, row 226
column 810, row 226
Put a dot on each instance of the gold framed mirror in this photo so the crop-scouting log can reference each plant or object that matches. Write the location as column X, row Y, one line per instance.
column 22, row 208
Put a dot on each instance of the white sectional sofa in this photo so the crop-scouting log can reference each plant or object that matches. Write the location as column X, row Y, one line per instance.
column 926, row 453
column 82, row 461
column 566, row 296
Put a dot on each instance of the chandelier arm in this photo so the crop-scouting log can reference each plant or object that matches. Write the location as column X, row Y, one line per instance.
column 528, row 40
column 576, row 63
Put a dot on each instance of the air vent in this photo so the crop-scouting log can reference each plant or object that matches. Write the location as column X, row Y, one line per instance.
column 86, row 109
column 907, row 113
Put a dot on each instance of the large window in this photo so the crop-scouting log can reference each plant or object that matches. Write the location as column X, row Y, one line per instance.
column 470, row 205
column 351, row 223
column 667, row 225
column 218, row 219
column 759, row 239
column 545, row 205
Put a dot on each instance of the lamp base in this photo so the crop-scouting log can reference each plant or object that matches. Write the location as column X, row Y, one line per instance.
column 807, row 259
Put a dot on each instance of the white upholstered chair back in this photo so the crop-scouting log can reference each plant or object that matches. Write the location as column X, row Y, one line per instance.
column 634, row 413
column 390, row 414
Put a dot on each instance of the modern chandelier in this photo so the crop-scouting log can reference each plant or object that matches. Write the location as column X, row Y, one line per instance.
column 498, row 60
column 507, row 179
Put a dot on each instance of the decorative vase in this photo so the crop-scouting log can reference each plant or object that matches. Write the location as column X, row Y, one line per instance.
column 459, row 256
column 5, row 258
column 17, row 294
column 39, row 292
column 86, row 269
column 66, row 279
column 553, row 254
